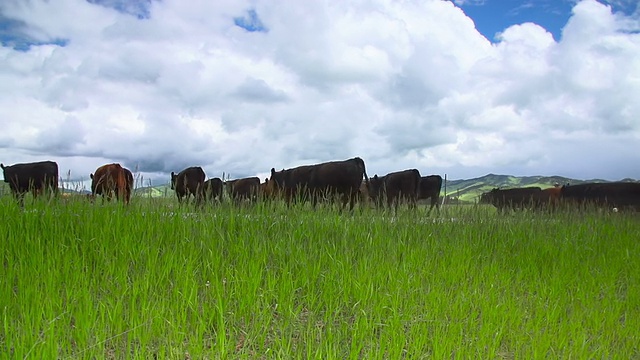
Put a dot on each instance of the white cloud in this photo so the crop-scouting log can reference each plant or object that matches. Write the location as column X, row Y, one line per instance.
column 401, row 84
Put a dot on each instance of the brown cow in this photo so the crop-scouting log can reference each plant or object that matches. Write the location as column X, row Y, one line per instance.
column 112, row 179
column 396, row 186
column 430, row 188
column 35, row 177
column 243, row 189
column 189, row 181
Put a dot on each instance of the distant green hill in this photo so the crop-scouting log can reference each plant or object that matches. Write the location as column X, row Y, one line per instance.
column 469, row 190
column 154, row 191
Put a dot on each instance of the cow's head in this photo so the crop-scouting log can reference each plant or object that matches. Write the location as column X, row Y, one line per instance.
column 277, row 178
column 375, row 186
column 4, row 173
column 174, row 178
column 93, row 184
column 487, row 197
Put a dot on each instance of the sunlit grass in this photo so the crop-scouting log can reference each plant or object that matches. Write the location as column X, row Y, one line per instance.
column 81, row 280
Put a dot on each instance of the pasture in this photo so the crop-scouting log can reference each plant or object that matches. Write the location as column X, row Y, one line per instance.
column 154, row 280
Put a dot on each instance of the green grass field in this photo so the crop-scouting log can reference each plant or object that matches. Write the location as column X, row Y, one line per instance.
column 152, row 280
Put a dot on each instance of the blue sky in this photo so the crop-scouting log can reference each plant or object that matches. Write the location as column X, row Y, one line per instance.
column 493, row 16
column 490, row 16
column 241, row 86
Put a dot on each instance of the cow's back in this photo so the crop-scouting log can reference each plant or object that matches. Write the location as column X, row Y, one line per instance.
column 342, row 176
column 403, row 183
column 245, row 188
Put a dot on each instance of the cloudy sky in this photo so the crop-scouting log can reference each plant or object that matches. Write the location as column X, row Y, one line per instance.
column 463, row 87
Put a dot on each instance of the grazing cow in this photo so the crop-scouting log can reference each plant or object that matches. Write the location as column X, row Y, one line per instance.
column 291, row 183
column 328, row 179
column 36, row 177
column 189, row 181
column 548, row 198
column 620, row 195
column 213, row 189
column 395, row 186
column 243, row 189
column 430, row 188
column 516, row 198
column 265, row 189
column 112, row 179
column 338, row 178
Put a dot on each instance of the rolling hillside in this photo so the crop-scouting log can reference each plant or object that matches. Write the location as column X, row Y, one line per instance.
column 468, row 190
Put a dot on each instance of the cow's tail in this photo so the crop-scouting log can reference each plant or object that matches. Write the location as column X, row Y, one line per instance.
column 122, row 190
column 364, row 171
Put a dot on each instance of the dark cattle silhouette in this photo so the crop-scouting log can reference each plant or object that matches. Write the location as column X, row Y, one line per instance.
column 516, row 198
column 36, row 177
column 213, row 189
column 430, row 189
column 395, row 187
column 338, row 178
column 548, row 198
column 291, row 183
column 189, row 181
column 112, row 179
column 319, row 181
column 243, row 189
column 621, row 195
column 265, row 190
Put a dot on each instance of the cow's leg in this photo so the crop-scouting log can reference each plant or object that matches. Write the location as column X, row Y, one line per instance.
column 348, row 197
column 19, row 198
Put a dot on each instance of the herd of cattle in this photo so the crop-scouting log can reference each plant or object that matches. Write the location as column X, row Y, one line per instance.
column 613, row 195
column 346, row 180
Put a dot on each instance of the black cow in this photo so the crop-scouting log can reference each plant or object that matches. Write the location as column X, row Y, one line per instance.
column 36, row 177
column 395, row 186
column 621, row 195
column 430, row 189
column 338, row 178
column 324, row 180
column 243, row 189
column 189, row 181
column 516, row 198
column 213, row 189
column 291, row 183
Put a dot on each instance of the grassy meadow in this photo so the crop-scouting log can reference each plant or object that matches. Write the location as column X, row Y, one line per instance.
column 154, row 280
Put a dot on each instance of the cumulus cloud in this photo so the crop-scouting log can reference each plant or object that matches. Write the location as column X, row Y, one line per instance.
column 242, row 86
